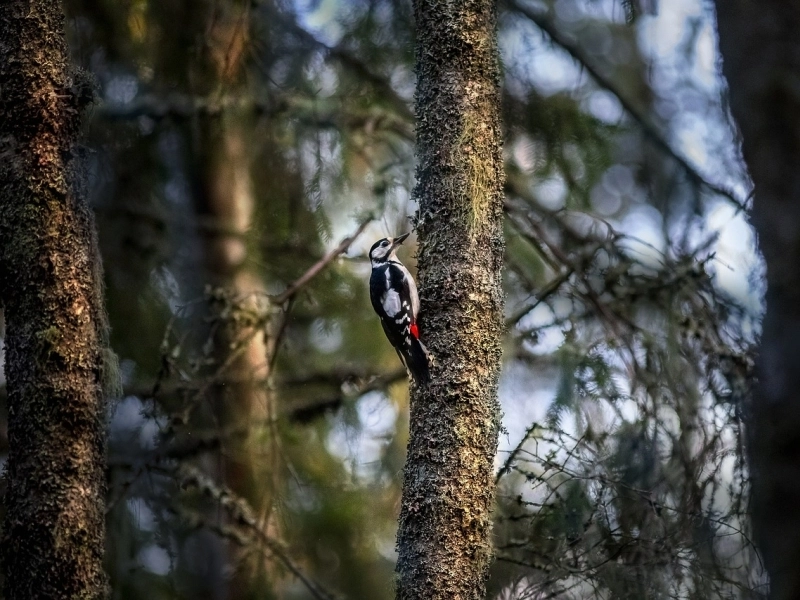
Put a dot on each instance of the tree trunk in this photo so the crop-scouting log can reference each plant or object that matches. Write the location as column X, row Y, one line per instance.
column 445, row 522
column 50, row 285
column 760, row 46
column 249, row 464
column 226, row 204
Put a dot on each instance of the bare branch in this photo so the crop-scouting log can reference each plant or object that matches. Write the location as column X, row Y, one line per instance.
column 506, row 468
column 347, row 59
column 184, row 106
column 317, row 268
column 547, row 291
column 242, row 515
column 545, row 23
column 310, row 410
column 328, row 113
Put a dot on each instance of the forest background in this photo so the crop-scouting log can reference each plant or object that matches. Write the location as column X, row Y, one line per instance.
column 242, row 157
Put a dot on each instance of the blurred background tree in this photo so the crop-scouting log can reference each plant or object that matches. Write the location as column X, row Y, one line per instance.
column 244, row 155
column 763, row 98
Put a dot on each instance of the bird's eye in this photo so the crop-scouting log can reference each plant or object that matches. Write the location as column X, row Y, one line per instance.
column 384, row 243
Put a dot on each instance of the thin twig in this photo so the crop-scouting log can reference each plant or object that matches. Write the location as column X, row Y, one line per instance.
column 311, row 410
column 547, row 25
column 542, row 296
column 242, row 515
column 506, row 468
column 328, row 113
column 317, row 268
column 346, row 58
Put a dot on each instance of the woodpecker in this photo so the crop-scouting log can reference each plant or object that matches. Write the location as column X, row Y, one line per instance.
column 395, row 299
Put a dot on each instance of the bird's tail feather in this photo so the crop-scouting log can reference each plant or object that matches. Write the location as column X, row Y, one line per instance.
column 417, row 361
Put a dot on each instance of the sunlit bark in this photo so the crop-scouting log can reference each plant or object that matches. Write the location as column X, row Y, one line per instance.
column 50, row 286
column 448, row 490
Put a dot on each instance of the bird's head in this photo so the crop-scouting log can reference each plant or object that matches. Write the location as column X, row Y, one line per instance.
column 384, row 250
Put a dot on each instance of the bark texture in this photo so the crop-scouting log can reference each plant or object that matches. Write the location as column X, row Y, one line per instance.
column 444, row 540
column 760, row 48
column 50, row 284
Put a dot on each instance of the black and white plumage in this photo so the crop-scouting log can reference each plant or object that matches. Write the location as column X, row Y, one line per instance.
column 394, row 297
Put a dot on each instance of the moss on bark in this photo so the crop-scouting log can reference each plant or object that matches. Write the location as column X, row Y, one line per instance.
column 53, row 533
column 444, row 540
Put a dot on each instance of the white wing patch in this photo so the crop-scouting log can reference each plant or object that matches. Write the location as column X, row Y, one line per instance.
column 391, row 302
column 412, row 289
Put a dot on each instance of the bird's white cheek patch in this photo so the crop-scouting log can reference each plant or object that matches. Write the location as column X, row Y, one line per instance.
column 391, row 303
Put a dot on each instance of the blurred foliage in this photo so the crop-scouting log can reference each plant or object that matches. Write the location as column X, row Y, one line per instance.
column 268, row 131
column 634, row 482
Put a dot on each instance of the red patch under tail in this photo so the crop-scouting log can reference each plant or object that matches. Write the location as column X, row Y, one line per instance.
column 414, row 330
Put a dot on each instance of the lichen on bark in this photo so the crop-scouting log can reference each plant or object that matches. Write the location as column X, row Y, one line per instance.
column 56, row 333
column 444, row 545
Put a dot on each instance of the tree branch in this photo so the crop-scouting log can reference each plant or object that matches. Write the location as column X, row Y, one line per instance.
column 328, row 113
column 312, row 409
column 242, row 515
column 317, row 268
column 547, row 25
column 346, row 58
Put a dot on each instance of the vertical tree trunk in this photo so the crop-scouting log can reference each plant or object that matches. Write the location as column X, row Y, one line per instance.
column 760, row 47
column 448, row 491
column 226, row 203
column 53, row 534
column 245, row 405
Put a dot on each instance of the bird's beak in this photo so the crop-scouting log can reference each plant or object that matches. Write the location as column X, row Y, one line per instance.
column 400, row 239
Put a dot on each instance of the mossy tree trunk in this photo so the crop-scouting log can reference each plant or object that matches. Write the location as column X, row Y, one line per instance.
column 760, row 47
column 53, row 533
column 444, row 540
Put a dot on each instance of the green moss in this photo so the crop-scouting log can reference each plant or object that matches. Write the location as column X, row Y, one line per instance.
column 47, row 341
column 477, row 171
column 109, row 374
